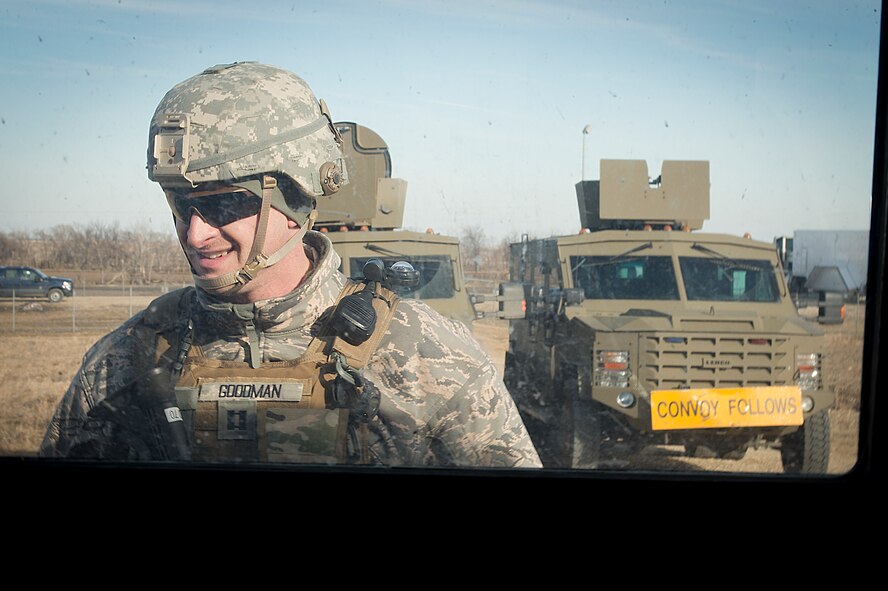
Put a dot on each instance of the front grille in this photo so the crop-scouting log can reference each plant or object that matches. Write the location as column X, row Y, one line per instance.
column 671, row 361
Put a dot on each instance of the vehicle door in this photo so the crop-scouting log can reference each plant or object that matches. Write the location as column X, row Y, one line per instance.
column 8, row 281
column 29, row 283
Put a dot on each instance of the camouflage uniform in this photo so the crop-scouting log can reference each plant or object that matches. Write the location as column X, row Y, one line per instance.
column 442, row 400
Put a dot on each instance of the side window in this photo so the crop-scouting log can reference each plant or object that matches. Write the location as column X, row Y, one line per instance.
column 503, row 146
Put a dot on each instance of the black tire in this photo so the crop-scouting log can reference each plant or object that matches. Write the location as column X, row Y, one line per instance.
column 55, row 295
column 806, row 451
column 580, row 424
column 510, row 369
column 526, row 397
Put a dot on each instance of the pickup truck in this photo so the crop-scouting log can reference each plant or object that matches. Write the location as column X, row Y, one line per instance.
column 28, row 282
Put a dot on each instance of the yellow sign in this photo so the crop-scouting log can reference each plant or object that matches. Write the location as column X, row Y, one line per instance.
column 708, row 408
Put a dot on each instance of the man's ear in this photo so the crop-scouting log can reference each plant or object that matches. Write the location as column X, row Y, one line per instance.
column 291, row 224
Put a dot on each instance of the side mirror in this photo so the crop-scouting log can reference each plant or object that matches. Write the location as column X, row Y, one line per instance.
column 574, row 296
column 511, row 301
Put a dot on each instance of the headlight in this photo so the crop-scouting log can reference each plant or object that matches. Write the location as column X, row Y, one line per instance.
column 626, row 399
column 807, row 375
column 66, row 285
column 612, row 369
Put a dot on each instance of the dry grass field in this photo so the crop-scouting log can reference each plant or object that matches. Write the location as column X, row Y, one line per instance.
column 42, row 345
column 44, row 350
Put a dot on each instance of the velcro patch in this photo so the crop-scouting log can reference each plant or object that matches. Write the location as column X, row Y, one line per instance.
column 278, row 390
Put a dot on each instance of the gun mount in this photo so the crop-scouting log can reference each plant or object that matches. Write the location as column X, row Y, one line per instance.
column 626, row 198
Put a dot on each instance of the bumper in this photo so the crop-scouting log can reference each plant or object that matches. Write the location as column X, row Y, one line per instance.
column 780, row 407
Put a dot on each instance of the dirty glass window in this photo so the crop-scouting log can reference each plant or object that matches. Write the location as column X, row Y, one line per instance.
column 642, row 278
column 735, row 280
column 493, row 114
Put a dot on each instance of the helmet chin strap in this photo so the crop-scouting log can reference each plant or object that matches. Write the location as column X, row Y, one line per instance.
column 258, row 260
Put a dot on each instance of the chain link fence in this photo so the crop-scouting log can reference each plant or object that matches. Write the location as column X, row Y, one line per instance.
column 90, row 309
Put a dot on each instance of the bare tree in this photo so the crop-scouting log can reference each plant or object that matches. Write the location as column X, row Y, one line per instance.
column 131, row 256
column 472, row 242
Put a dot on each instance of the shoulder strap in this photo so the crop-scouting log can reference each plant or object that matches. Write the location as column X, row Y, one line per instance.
column 157, row 336
column 357, row 355
column 361, row 397
column 159, row 333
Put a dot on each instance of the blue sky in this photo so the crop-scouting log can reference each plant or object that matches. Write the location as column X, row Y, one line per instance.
column 482, row 104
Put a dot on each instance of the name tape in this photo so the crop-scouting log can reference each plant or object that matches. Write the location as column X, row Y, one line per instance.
column 280, row 391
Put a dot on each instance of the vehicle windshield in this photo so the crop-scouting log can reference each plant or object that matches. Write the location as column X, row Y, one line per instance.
column 728, row 280
column 435, row 275
column 640, row 278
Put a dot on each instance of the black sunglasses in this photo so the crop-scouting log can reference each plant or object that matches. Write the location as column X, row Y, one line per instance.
column 218, row 207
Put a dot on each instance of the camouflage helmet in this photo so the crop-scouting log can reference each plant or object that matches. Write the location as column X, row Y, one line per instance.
column 255, row 126
column 246, row 119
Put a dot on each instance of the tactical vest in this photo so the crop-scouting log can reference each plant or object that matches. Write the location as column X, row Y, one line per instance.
column 313, row 409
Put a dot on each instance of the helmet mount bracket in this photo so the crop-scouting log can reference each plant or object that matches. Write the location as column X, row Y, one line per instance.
column 171, row 149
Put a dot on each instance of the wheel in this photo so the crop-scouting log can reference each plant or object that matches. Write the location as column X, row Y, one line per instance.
column 526, row 395
column 510, row 368
column 582, row 435
column 55, row 295
column 806, row 451
column 580, row 424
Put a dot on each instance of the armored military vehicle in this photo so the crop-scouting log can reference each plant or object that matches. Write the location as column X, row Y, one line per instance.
column 364, row 220
column 642, row 331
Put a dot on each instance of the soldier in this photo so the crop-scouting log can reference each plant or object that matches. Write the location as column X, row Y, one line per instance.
column 276, row 356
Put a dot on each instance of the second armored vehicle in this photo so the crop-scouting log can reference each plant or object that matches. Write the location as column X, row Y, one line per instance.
column 365, row 219
column 641, row 331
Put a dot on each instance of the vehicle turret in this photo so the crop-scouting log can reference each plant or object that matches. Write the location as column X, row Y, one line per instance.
column 626, row 198
column 372, row 198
